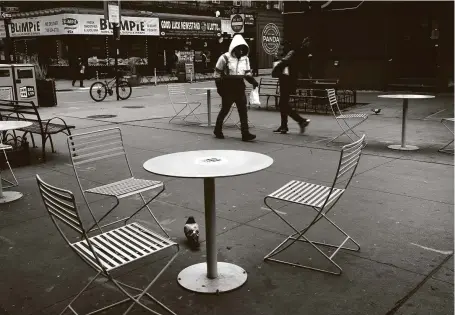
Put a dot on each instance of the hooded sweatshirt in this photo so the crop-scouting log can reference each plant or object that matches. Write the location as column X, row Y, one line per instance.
column 236, row 65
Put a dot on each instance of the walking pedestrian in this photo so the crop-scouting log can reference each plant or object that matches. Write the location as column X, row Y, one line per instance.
column 79, row 72
column 232, row 68
column 287, row 70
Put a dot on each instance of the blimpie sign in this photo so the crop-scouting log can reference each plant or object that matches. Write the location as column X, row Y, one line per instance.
column 82, row 24
column 171, row 27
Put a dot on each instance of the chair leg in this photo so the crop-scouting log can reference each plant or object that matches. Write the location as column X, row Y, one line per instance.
column 146, row 205
column 43, row 143
column 444, row 150
column 144, row 292
column 52, row 144
column 12, row 184
column 192, row 112
column 177, row 113
column 134, row 299
column 345, row 131
column 299, row 235
column 79, row 294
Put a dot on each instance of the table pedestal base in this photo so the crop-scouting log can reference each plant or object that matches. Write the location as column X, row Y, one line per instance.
column 206, row 125
column 406, row 148
column 9, row 196
column 230, row 277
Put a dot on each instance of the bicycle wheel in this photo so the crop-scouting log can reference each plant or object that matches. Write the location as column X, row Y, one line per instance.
column 98, row 91
column 124, row 90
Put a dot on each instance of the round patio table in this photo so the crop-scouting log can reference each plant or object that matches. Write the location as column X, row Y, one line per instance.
column 9, row 196
column 209, row 103
column 405, row 98
column 211, row 276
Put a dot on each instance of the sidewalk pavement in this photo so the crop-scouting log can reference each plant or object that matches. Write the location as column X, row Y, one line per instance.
column 399, row 208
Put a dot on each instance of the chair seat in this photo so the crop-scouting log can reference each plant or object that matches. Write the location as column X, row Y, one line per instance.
column 35, row 127
column 306, row 194
column 5, row 146
column 347, row 116
column 122, row 246
column 126, row 187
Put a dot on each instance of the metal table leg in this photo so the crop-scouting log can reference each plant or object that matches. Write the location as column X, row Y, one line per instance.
column 211, row 276
column 403, row 145
column 8, row 196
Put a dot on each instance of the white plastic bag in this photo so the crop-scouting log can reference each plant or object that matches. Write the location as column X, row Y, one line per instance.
column 254, row 97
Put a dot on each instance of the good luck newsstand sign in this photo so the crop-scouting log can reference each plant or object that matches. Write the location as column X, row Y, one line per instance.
column 81, row 24
column 177, row 27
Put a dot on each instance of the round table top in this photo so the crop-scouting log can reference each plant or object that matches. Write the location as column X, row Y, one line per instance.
column 406, row 96
column 13, row 124
column 208, row 163
column 203, row 88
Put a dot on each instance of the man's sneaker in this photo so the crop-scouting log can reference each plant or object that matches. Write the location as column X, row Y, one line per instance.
column 248, row 137
column 303, row 125
column 282, row 130
column 218, row 134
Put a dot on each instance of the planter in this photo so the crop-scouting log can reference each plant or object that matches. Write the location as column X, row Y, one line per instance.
column 17, row 156
column 47, row 95
column 133, row 80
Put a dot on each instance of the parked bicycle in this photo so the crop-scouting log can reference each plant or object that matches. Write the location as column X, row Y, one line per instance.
column 99, row 90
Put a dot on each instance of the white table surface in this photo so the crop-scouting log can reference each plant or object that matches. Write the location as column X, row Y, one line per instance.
column 13, row 124
column 406, row 96
column 208, row 163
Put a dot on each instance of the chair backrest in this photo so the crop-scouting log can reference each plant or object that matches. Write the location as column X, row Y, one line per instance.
column 177, row 93
column 19, row 110
column 269, row 85
column 331, row 95
column 349, row 160
column 96, row 145
column 61, row 206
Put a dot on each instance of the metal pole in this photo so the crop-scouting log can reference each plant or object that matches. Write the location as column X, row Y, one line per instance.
column 209, row 108
column 210, row 227
column 403, row 125
column 7, row 42
column 116, row 29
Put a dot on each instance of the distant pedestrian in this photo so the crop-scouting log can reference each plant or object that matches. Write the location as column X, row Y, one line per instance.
column 287, row 70
column 79, row 72
column 232, row 68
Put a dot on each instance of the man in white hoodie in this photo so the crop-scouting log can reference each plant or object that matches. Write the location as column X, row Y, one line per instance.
column 231, row 70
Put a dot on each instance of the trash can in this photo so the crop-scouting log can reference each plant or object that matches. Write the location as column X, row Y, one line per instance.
column 25, row 82
column 6, row 82
column 181, row 72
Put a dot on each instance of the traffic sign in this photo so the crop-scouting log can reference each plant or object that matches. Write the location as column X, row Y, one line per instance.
column 237, row 23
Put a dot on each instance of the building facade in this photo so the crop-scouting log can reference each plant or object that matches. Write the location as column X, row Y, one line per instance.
column 377, row 43
column 153, row 33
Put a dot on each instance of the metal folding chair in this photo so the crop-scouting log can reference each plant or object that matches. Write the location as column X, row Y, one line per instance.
column 103, row 145
column 445, row 121
column 322, row 199
column 178, row 97
column 105, row 252
column 340, row 117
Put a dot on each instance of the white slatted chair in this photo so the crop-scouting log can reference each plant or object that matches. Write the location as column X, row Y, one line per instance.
column 445, row 121
column 106, row 252
column 343, row 118
column 321, row 199
column 179, row 98
column 102, row 145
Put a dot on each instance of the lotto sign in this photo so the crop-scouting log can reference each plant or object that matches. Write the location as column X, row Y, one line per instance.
column 271, row 39
column 237, row 23
column 27, row 91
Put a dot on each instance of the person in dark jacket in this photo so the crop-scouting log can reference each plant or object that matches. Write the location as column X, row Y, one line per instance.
column 79, row 72
column 231, row 70
column 287, row 69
